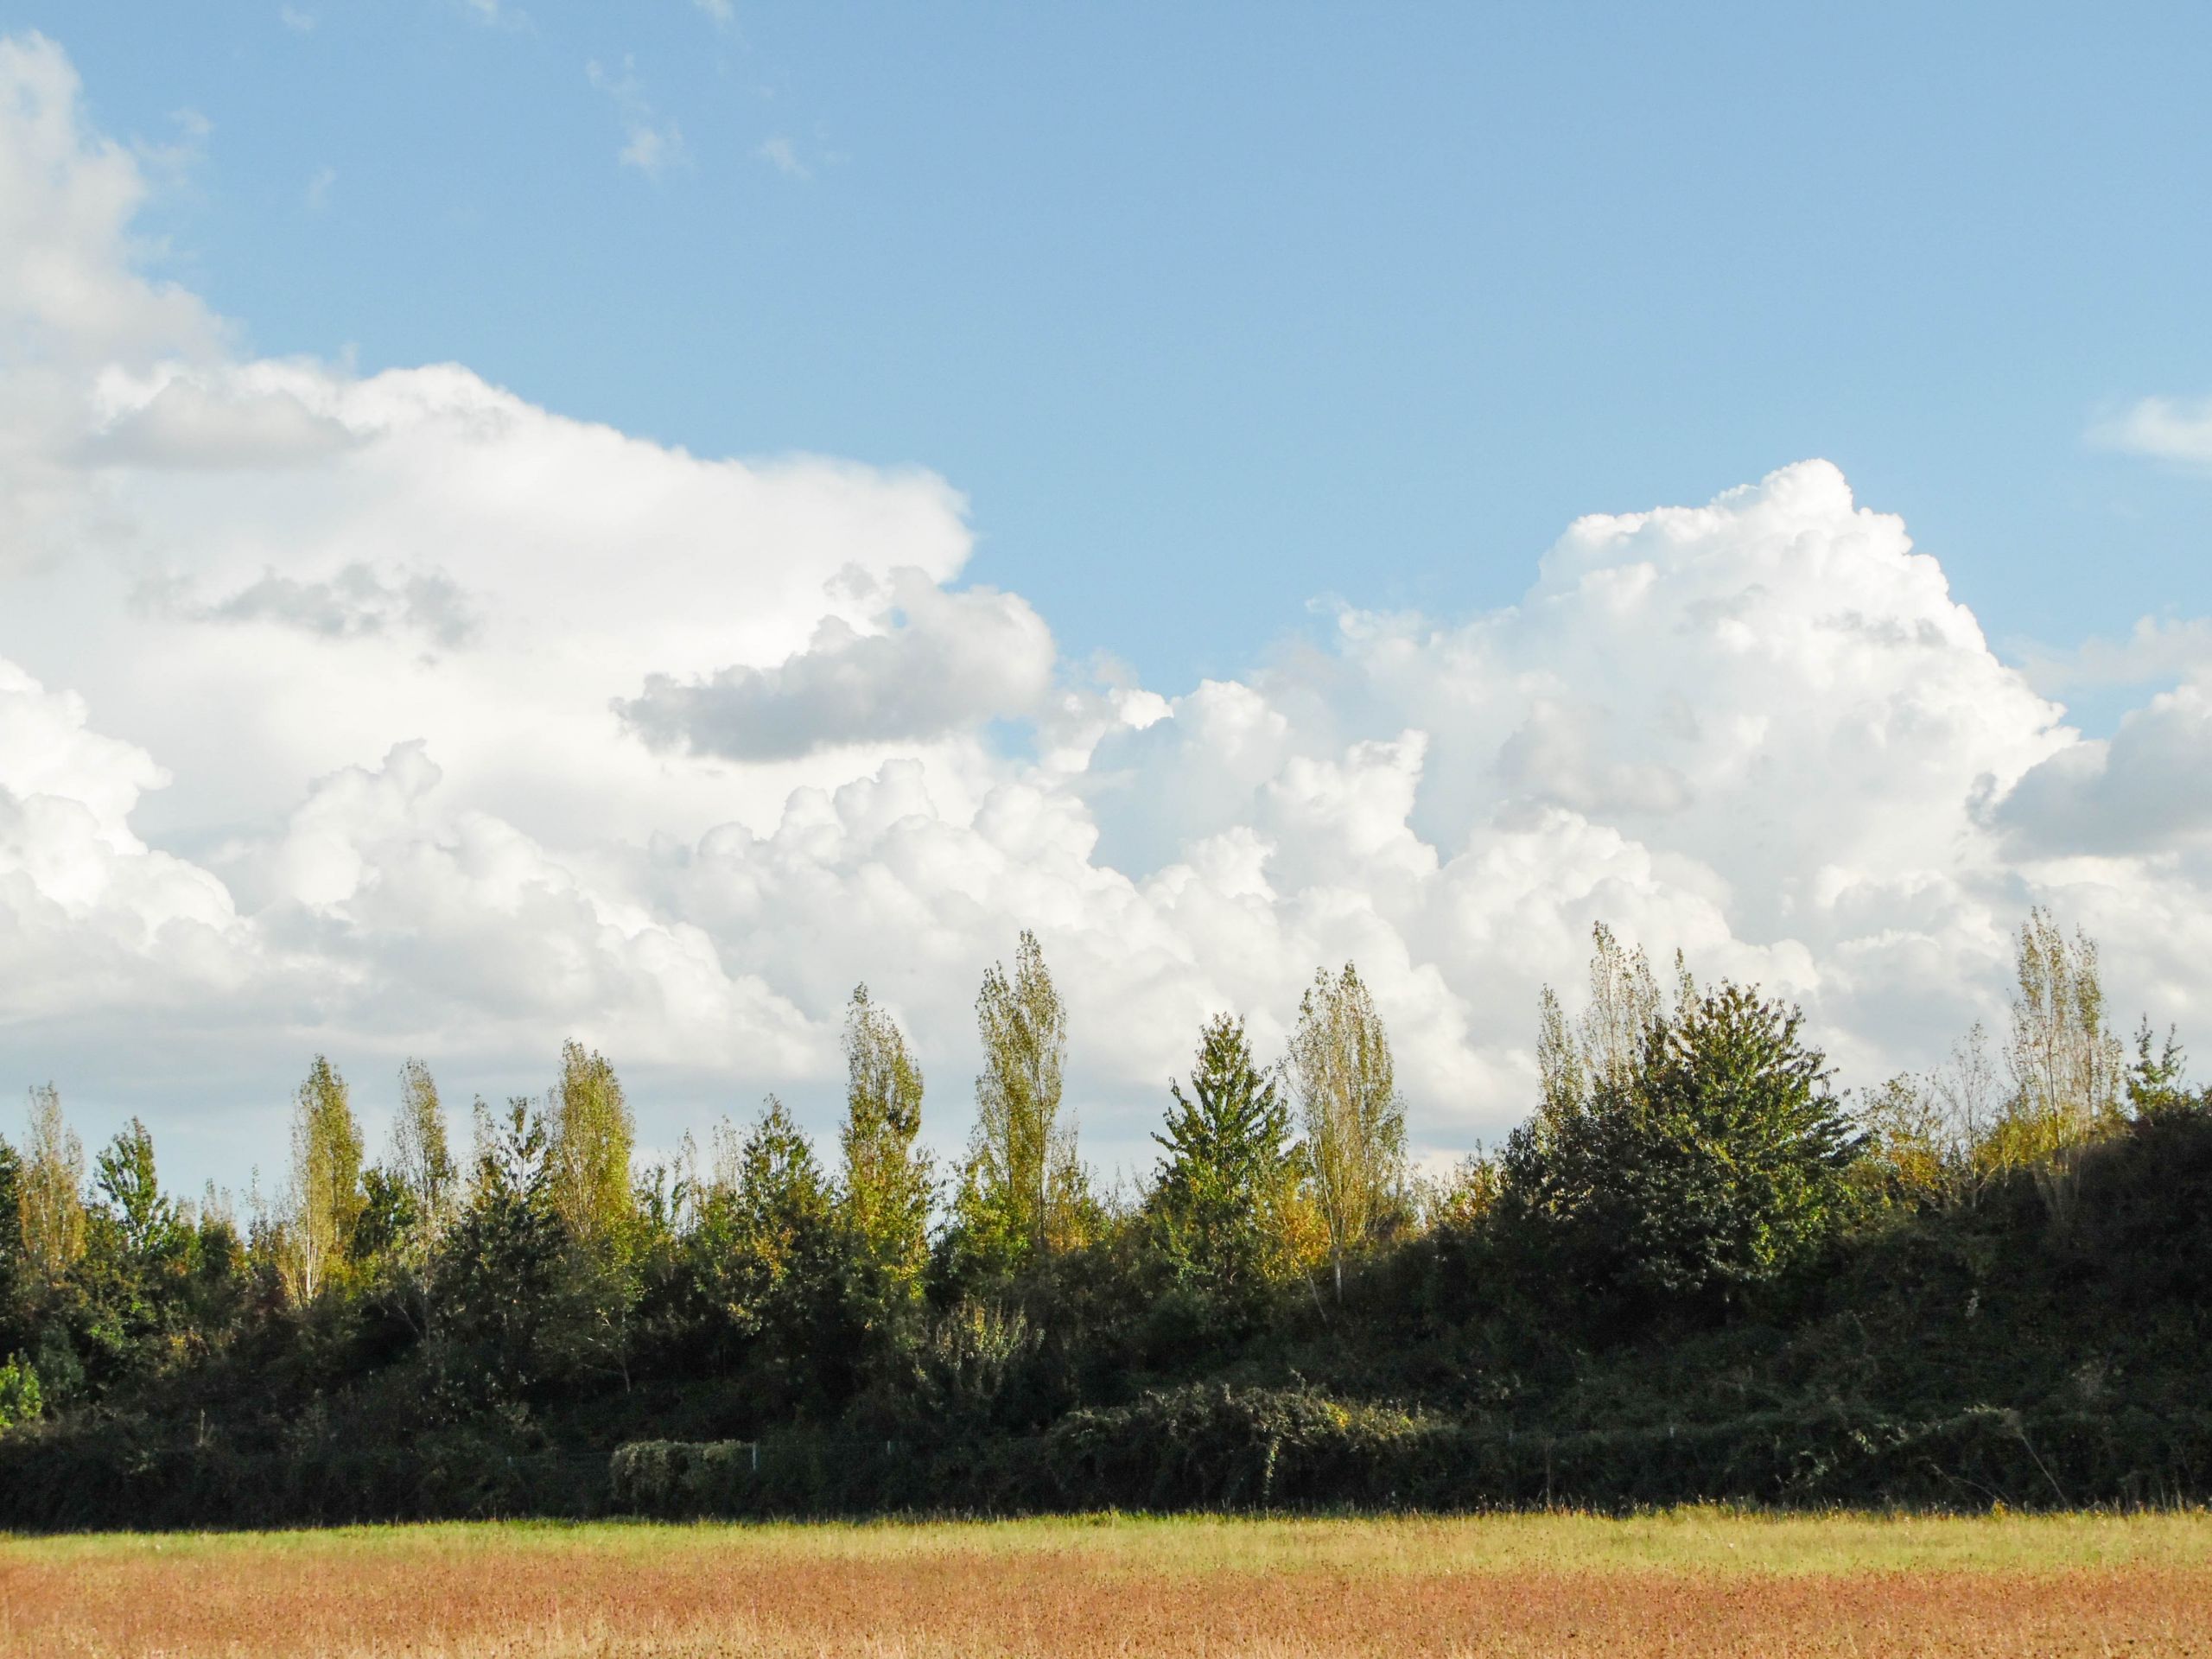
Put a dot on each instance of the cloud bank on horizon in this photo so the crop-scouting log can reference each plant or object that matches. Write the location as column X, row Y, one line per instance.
column 390, row 714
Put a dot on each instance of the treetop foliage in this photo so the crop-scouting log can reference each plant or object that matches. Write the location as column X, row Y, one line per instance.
column 1691, row 1191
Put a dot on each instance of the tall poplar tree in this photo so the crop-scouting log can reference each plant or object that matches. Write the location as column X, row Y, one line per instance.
column 592, row 1136
column 2068, row 1069
column 886, row 1185
column 1022, row 1195
column 1349, row 1106
column 421, row 1161
column 326, row 1180
column 50, row 1191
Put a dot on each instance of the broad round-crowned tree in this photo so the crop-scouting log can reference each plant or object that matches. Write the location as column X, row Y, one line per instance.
column 1717, row 1167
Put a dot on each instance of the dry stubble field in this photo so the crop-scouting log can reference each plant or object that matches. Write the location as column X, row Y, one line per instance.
column 1696, row 1582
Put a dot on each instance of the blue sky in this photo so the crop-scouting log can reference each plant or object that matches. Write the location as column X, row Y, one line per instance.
column 1212, row 311
column 394, row 660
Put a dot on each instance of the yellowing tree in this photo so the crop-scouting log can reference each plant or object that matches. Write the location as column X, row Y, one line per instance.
column 592, row 1136
column 2068, row 1071
column 886, row 1187
column 51, row 1207
column 325, row 1181
column 1023, row 1194
column 1349, row 1106
column 421, row 1159
column 1605, row 1052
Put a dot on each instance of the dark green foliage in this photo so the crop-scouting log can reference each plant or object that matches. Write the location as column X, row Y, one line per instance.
column 15, row 1279
column 498, row 1274
column 1227, row 1168
column 766, row 1259
column 1717, row 1171
column 1679, row 1283
column 1212, row 1447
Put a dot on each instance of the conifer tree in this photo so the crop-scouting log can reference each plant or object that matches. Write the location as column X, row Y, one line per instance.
column 766, row 1249
column 1221, row 1189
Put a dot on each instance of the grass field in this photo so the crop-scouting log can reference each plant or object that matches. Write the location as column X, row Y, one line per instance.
column 1692, row 1583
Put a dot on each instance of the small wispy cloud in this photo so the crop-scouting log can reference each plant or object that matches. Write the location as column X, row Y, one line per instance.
column 174, row 160
column 783, row 156
column 2158, row 649
column 721, row 11
column 2165, row 428
column 496, row 14
column 653, row 150
column 319, row 187
column 299, row 23
column 652, row 145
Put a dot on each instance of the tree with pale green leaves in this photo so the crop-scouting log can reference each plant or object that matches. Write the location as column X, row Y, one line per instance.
column 421, row 1161
column 1023, row 1194
column 50, row 1191
column 326, row 1196
column 592, row 1133
column 885, row 1184
column 1353, row 1118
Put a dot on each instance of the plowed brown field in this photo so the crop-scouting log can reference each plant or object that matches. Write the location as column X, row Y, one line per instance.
column 1693, row 1584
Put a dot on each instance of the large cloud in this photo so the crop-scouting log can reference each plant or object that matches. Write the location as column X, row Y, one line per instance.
column 390, row 712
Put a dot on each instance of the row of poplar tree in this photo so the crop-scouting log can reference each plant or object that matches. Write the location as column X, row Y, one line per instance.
column 545, row 1253
column 1688, row 1150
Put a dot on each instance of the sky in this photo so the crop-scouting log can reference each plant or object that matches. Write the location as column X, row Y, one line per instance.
column 530, row 521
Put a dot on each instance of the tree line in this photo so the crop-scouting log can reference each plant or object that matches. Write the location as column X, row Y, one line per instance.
column 1690, row 1189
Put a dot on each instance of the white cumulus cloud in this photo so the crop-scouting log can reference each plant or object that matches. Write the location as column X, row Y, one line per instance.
column 394, row 713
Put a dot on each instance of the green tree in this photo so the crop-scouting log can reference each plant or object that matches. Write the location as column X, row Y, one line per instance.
column 148, row 1221
column 887, row 1184
column 2158, row 1078
column 133, row 1307
column 1349, row 1110
column 408, row 1203
column 1720, row 1167
column 421, row 1164
column 1227, row 1168
column 51, row 1192
column 15, row 1288
column 21, row 1400
column 1023, row 1194
column 497, row 1273
column 326, row 1182
column 592, row 1136
column 767, row 1247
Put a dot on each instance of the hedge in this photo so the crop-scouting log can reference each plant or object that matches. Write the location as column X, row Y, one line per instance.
column 1211, row 1447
